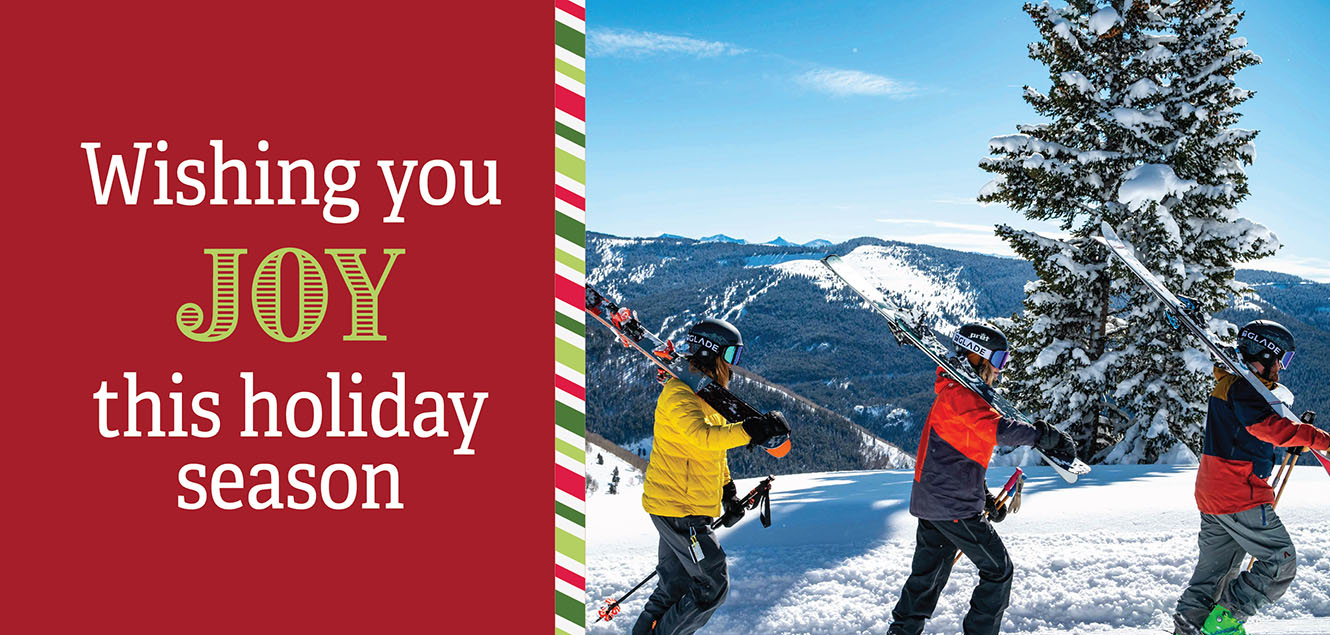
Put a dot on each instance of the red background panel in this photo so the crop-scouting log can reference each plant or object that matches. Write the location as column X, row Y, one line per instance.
column 93, row 538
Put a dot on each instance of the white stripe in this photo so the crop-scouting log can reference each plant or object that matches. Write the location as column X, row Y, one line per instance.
column 573, row 465
column 571, row 84
column 571, row 501
column 569, row 184
column 570, row 273
column 569, row 400
column 569, row 526
column 568, row 436
column 570, row 57
column 569, row 374
column 566, row 626
column 569, row 210
column 572, row 249
column 570, row 310
column 569, row 590
column 570, row 564
column 570, row 337
column 580, row 3
column 570, row 20
column 570, row 121
column 570, row 147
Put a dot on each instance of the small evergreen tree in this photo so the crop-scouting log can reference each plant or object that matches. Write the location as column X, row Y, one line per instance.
column 600, row 460
column 614, row 481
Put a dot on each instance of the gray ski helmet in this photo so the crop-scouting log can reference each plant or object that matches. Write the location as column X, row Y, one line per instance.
column 714, row 338
column 1266, row 341
column 984, row 341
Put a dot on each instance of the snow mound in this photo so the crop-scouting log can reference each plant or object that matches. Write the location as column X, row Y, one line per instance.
column 1104, row 20
column 1151, row 182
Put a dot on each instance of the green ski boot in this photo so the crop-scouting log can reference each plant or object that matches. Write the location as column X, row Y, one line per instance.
column 1222, row 622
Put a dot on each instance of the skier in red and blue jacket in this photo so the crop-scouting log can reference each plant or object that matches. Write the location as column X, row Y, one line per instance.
column 950, row 496
column 1237, row 505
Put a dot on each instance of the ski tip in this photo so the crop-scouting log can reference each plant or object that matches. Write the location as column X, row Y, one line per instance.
column 779, row 451
column 830, row 258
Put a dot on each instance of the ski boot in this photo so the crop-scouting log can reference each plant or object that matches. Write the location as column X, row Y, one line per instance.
column 1222, row 622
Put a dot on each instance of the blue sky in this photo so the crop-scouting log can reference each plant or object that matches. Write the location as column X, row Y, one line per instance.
column 837, row 120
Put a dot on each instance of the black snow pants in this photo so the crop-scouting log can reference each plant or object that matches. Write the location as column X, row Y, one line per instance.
column 935, row 548
column 691, row 586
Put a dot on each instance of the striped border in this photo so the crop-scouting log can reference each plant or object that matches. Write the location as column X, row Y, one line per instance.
column 569, row 317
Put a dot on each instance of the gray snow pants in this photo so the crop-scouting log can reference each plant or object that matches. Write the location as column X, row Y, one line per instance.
column 688, row 590
column 936, row 542
column 1225, row 540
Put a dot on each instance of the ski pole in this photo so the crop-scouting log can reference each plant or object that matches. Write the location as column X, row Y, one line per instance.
column 760, row 495
column 1290, row 460
column 1002, row 498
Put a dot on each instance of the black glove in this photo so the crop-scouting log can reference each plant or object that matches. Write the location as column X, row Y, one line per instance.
column 1054, row 441
column 729, row 500
column 995, row 514
column 764, row 427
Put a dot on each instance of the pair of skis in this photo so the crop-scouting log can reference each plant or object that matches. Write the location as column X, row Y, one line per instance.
column 624, row 323
column 905, row 331
column 1182, row 314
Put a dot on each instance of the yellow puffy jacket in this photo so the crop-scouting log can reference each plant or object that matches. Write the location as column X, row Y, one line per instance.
column 688, row 466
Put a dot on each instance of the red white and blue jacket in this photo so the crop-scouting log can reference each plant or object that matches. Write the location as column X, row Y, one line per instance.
column 1241, row 432
column 954, row 451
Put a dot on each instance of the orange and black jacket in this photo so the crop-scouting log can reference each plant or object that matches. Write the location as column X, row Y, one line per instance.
column 1241, row 432
column 954, row 450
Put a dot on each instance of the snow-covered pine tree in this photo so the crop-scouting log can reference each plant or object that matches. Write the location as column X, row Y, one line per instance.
column 1066, row 171
column 1138, row 135
column 1185, row 226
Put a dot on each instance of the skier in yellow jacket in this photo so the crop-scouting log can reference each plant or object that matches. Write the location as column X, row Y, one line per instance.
column 688, row 485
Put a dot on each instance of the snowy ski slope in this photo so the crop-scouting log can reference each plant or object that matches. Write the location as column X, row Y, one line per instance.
column 1107, row 555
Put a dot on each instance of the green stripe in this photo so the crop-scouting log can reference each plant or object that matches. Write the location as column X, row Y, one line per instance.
column 571, row 71
column 560, row 631
column 569, row 38
column 570, row 513
column 570, row 228
column 570, row 324
column 569, row 609
column 573, row 262
column 569, row 545
column 570, row 134
column 570, row 356
column 569, row 450
column 569, row 418
column 569, row 166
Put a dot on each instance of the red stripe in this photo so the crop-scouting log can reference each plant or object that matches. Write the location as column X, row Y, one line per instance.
column 568, row 386
column 569, row 291
column 570, row 577
column 568, row 197
column 569, row 102
column 571, row 9
column 570, row 482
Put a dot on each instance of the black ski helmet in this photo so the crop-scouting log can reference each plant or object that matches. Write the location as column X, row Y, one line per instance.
column 714, row 338
column 984, row 341
column 1267, row 342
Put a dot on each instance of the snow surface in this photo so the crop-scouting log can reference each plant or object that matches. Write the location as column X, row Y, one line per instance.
column 1107, row 555
column 888, row 267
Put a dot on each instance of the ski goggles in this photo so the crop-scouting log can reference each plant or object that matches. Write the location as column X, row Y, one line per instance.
column 730, row 354
column 1286, row 360
column 998, row 359
column 733, row 353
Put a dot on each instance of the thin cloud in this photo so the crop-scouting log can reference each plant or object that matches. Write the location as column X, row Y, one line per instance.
column 988, row 229
column 1309, row 268
column 955, row 201
column 845, row 83
column 631, row 43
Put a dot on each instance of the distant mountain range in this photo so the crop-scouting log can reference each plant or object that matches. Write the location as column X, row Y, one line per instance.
column 812, row 342
column 722, row 238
